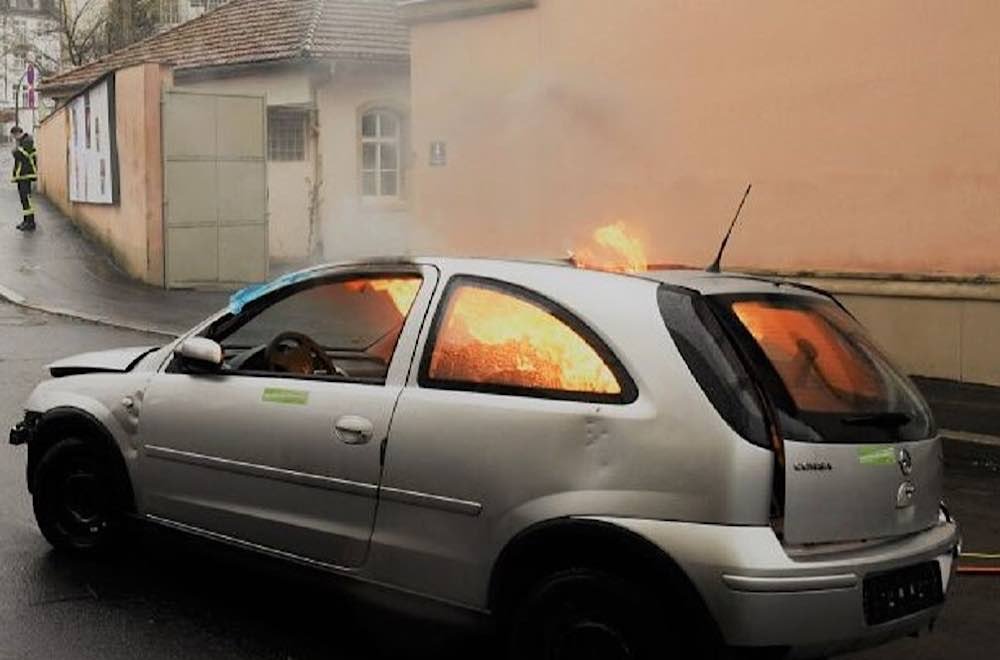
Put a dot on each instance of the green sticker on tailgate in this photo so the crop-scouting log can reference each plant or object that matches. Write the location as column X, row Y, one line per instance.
column 877, row 455
column 289, row 397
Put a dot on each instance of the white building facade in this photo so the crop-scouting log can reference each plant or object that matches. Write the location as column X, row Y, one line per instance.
column 29, row 36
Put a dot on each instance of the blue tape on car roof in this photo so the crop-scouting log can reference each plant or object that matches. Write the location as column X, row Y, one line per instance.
column 247, row 295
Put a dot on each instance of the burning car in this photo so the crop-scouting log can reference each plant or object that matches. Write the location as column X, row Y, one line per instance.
column 614, row 464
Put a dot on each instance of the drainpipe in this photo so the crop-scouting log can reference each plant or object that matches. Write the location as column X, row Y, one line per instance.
column 316, row 185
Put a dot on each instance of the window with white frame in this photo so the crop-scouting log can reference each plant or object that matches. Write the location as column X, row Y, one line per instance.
column 380, row 159
column 286, row 134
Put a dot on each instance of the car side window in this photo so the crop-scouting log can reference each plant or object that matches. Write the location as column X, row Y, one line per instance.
column 489, row 336
column 342, row 329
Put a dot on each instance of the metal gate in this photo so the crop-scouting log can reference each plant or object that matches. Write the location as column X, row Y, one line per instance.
column 215, row 189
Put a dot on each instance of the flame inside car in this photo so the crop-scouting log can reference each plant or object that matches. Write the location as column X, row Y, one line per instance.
column 402, row 291
column 493, row 337
column 612, row 248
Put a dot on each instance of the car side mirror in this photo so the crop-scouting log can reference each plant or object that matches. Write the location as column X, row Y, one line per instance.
column 199, row 354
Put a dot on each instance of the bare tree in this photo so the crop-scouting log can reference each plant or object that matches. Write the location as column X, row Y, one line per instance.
column 129, row 21
column 89, row 29
column 82, row 28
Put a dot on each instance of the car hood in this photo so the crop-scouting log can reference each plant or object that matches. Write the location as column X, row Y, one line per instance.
column 118, row 360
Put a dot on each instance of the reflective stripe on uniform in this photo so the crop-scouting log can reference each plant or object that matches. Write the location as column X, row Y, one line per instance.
column 28, row 211
column 19, row 165
column 31, row 158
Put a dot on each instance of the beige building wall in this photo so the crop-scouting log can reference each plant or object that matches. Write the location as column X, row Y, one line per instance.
column 131, row 230
column 352, row 226
column 289, row 183
column 869, row 130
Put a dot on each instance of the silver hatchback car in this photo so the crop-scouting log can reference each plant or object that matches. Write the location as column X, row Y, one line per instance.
column 617, row 466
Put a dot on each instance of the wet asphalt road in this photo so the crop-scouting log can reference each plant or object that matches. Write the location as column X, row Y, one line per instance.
column 175, row 598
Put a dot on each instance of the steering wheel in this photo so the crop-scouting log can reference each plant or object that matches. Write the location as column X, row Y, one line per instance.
column 297, row 353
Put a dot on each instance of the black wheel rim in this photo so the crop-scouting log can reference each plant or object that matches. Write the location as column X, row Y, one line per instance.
column 82, row 503
column 583, row 628
column 587, row 639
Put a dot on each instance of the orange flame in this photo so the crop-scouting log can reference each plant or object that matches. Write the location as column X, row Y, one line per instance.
column 402, row 290
column 615, row 251
column 493, row 337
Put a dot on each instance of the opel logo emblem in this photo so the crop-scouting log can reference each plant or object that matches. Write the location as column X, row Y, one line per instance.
column 905, row 462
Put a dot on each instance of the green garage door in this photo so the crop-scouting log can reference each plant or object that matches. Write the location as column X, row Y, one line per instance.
column 215, row 189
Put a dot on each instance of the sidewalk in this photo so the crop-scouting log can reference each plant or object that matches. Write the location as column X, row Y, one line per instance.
column 59, row 270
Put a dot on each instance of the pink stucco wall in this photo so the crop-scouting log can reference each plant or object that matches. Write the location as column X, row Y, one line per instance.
column 869, row 129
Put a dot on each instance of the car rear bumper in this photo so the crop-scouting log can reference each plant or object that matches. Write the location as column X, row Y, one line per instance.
column 813, row 605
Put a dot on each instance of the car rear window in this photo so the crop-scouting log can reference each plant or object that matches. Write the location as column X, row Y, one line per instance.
column 826, row 373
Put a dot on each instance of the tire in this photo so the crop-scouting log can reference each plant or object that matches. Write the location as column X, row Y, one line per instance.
column 80, row 498
column 586, row 614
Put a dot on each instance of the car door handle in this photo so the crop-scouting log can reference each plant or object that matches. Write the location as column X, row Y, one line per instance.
column 354, row 430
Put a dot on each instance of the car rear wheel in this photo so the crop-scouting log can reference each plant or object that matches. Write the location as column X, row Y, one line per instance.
column 79, row 499
column 585, row 614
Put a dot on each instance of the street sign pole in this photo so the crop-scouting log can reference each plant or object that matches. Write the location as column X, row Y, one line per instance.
column 29, row 75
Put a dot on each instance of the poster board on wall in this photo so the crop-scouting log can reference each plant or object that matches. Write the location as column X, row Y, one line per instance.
column 93, row 149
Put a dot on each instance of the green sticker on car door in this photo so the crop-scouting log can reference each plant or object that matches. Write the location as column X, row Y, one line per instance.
column 287, row 397
column 877, row 455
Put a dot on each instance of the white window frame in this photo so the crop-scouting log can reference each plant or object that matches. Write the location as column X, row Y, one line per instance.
column 277, row 115
column 378, row 140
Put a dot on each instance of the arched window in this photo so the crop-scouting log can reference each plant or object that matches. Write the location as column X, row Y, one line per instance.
column 380, row 139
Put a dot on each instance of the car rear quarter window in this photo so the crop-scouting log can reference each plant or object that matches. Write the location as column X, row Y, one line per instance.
column 495, row 337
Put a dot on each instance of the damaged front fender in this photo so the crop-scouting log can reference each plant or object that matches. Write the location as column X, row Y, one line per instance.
column 24, row 431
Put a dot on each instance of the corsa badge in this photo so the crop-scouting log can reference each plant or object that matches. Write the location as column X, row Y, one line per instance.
column 814, row 466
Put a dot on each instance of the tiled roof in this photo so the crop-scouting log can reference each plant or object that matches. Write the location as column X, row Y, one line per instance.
column 259, row 31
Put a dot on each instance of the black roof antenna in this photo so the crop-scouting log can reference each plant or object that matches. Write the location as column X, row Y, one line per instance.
column 717, row 264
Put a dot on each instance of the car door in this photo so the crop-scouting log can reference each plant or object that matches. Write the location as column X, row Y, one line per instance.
column 275, row 450
column 513, row 402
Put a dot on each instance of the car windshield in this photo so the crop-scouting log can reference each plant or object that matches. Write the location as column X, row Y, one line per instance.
column 828, row 378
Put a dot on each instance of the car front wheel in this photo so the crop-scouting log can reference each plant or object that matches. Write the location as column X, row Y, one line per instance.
column 584, row 614
column 79, row 500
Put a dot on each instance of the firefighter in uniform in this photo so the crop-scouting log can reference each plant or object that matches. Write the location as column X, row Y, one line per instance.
column 25, row 172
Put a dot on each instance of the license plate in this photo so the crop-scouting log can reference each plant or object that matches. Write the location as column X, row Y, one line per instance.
column 895, row 594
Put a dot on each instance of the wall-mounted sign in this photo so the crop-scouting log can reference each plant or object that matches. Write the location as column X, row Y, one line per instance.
column 93, row 157
column 439, row 153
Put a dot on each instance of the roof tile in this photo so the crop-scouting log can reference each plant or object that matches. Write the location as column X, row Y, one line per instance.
column 259, row 31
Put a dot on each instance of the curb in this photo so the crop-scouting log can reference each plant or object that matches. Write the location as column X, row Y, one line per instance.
column 15, row 298
column 971, row 438
column 971, row 449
